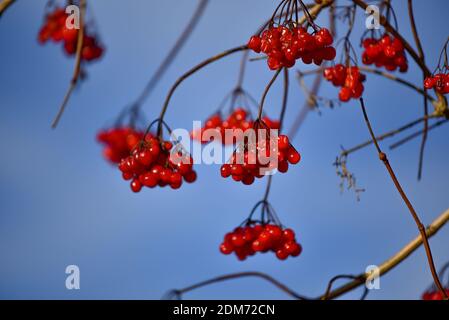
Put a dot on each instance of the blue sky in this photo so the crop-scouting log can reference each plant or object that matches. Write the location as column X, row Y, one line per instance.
column 62, row 204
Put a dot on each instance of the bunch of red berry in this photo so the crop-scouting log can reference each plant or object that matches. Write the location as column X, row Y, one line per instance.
column 119, row 142
column 284, row 45
column 350, row 79
column 153, row 163
column 434, row 294
column 237, row 123
column 439, row 82
column 55, row 29
column 385, row 52
column 256, row 159
column 247, row 241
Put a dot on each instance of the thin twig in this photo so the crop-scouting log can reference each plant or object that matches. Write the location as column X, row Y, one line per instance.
column 384, row 159
column 239, row 275
column 77, row 70
column 386, row 135
column 265, row 93
column 417, row 134
column 426, row 106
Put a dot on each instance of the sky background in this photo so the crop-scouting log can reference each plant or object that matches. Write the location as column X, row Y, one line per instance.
column 62, row 204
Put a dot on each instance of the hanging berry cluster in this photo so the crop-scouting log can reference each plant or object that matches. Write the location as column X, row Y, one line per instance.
column 350, row 79
column 119, row 142
column 439, row 82
column 284, row 45
column 261, row 236
column 255, row 158
column 55, row 29
column 234, row 125
column 285, row 40
column 387, row 52
column 153, row 163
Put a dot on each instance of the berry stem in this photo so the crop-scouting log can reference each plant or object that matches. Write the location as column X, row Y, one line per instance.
column 265, row 93
column 77, row 70
column 384, row 159
column 191, row 72
column 386, row 135
column 417, row 134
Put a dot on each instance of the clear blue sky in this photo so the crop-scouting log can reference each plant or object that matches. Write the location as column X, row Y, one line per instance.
column 61, row 204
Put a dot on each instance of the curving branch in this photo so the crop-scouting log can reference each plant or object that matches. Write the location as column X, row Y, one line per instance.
column 384, row 159
column 77, row 70
column 239, row 275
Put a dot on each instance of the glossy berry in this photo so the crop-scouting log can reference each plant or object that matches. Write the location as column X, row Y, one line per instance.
column 387, row 52
column 284, row 45
column 261, row 238
column 55, row 29
column 152, row 164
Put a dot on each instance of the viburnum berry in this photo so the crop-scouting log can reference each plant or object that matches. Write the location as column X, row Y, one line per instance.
column 55, row 29
column 255, row 237
column 259, row 156
column 350, row 79
column 439, row 82
column 387, row 52
column 234, row 126
column 118, row 142
column 434, row 294
column 286, row 44
column 155, row 162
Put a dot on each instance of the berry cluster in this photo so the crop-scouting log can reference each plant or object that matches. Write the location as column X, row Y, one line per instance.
column 153, row 163
column 251, row 164
column 238, row 121
column 434, row 295
column 348, row 78
column 385, row 52
column 284, row 45
column 55, row 29
column 119, row 142
column 439, row 82
column 247, row 241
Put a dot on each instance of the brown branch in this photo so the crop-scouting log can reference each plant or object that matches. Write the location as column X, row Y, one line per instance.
column 426, row 106
column 384, row 136
column 384, row 159
column 170, row 57
column 77, row 70
column 265, row 93
column 233, row 276
column 5, row 5
column 417, row 134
